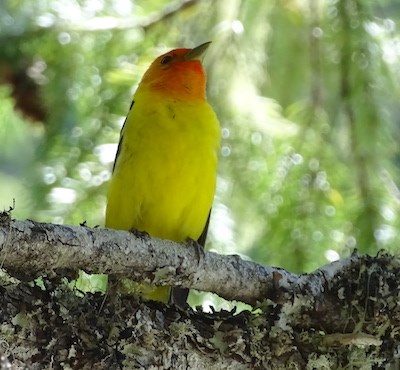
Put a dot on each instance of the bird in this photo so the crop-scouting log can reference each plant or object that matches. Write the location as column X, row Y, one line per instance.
column 165, row 171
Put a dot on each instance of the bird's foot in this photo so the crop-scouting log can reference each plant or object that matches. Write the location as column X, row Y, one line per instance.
column 140, row 234
column 198, row 248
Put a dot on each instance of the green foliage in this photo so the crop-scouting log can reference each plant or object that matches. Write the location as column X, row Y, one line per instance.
column 306, row 91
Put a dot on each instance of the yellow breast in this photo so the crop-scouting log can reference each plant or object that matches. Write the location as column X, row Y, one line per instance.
column 165, row 175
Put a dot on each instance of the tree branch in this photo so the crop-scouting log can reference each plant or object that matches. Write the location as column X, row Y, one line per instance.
column 102, row 23
column 350, row 306
column 37, row 249
column 41, row 249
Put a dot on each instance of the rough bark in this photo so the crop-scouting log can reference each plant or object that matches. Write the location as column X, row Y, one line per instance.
column 344, row 315
column 37, row 249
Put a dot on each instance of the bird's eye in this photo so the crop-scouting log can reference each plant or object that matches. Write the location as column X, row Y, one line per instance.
column 166, row 59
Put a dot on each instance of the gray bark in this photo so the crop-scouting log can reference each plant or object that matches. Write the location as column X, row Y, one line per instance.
column 344, row 315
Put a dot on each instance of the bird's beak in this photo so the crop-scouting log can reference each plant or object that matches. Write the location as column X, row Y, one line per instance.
column 197, row 52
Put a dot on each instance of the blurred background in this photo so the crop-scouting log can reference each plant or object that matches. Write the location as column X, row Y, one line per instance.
column 307, row 93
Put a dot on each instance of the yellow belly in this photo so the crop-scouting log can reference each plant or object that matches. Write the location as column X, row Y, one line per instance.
column 165, row 175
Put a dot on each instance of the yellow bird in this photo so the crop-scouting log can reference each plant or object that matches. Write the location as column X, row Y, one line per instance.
column 164, row 173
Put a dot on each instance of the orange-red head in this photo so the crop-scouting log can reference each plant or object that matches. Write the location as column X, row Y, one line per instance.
column 178, row 73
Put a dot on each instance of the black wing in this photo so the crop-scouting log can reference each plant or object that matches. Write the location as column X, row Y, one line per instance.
column 202, row 239
column 121, row 137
